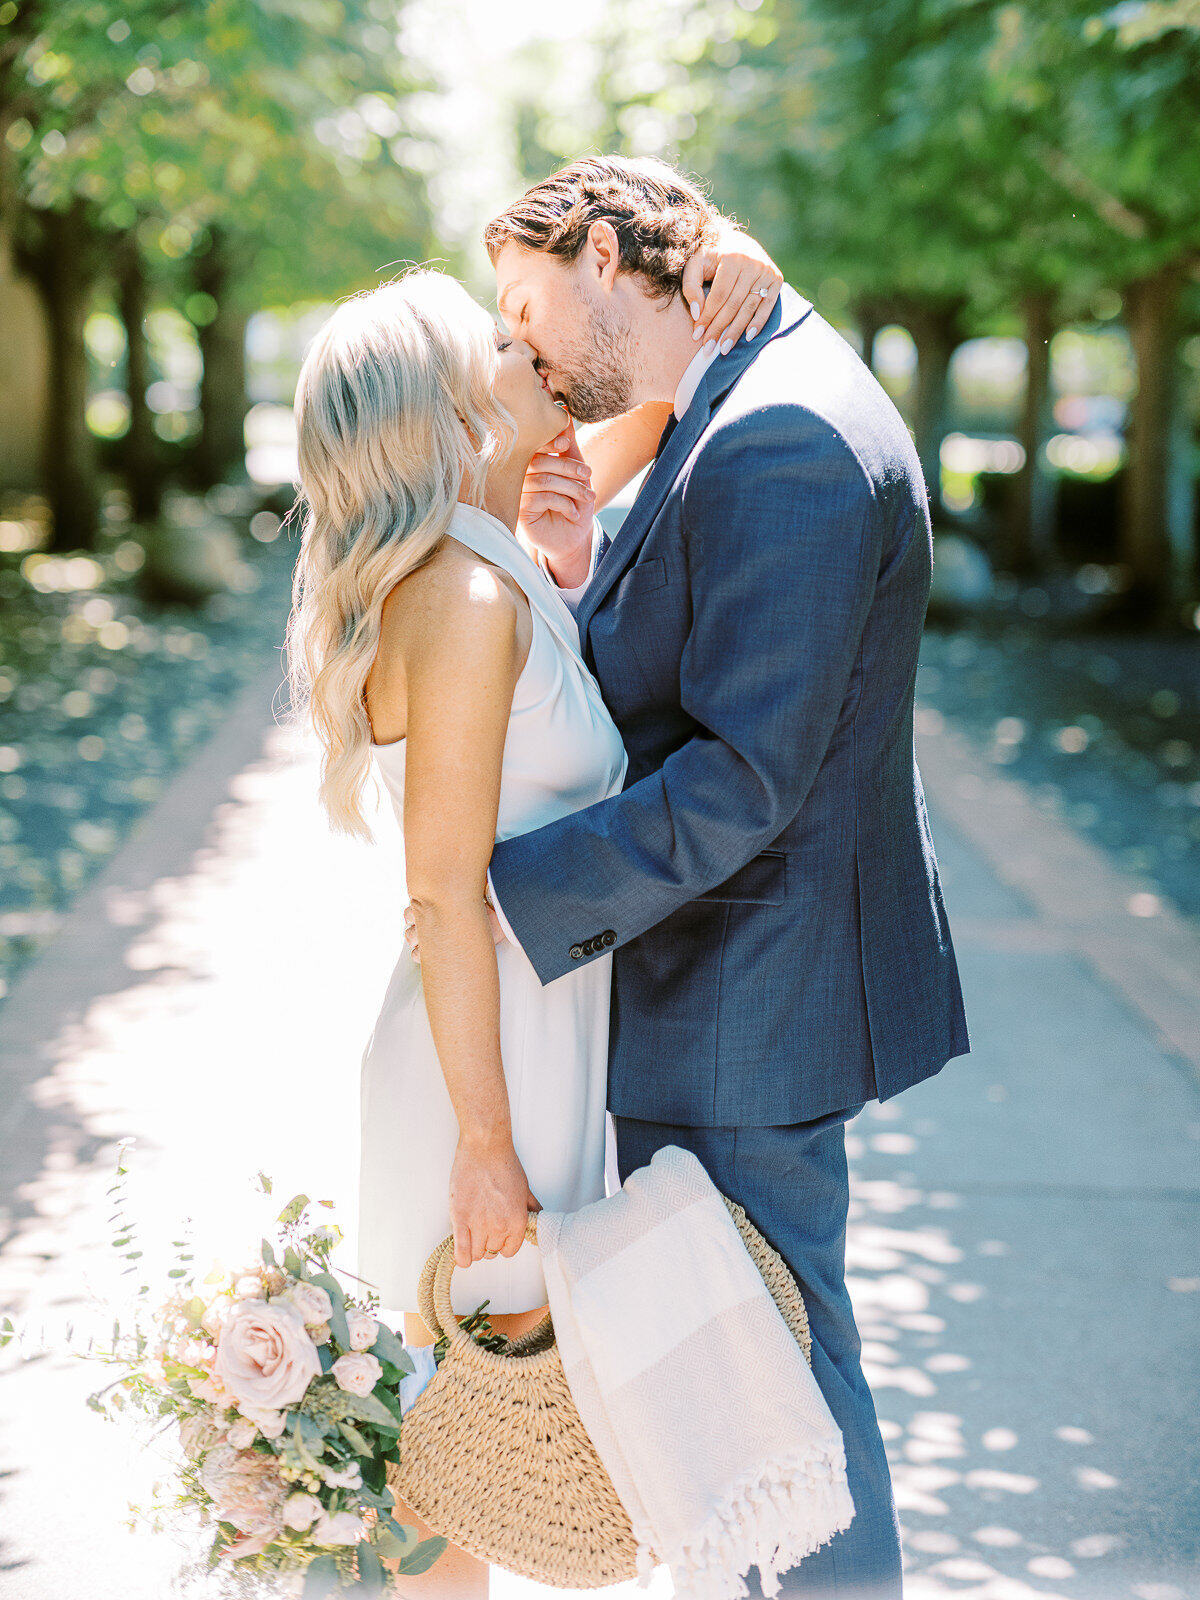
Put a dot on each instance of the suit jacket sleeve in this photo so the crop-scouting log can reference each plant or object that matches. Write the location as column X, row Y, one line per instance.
column 783, row 548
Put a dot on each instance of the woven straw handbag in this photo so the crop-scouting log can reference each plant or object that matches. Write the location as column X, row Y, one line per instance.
column 494, row 1454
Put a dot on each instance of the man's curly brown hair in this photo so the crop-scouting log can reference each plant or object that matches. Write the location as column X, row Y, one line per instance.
column 660, row 219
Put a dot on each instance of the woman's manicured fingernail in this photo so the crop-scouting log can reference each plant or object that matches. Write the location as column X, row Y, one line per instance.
column 750, row 332
column 695, row 310
column 710, row 346
column 698, row 333
column 727, row 347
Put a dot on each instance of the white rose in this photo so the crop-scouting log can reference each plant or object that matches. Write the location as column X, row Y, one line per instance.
column 342, row 1528
column 269, row 1423
column 265, row 1356
column 313, row 1304
column 348, row 1478
column 300, row 1511
column 241, row 1434
column 357, row 1373
column 321, row 1333
column 364, row 1330
column 248, row 1287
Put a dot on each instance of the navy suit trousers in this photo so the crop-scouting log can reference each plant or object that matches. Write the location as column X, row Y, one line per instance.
column 792, row 1180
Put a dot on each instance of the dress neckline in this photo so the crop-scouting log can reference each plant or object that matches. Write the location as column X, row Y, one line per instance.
column 495, row 542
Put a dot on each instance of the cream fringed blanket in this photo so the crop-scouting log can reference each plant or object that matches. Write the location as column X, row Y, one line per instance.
column 696, row 1396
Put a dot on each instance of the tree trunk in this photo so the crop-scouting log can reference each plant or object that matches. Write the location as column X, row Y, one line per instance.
column 1031, row 533
column 935, row 332
column 870, row 320
column 139, row 452
column 1148, row 541
column 220, row 453
column 64, row 277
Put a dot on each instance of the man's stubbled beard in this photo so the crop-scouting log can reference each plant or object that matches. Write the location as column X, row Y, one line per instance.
column 595, row 369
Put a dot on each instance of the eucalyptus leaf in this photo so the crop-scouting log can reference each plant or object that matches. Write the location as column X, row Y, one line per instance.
column 388, row 1348
column 302, row 1449
column 355, row 1439
column 321, row 1578
column 371, row 1575
column 293, row 1211
column 388, row 1400
column 423, row 1557
column 337, row 1319
column 268, row 1252
column 369, row 1408
column 380, row 1499
column 311, row 1431
column 394, row 1542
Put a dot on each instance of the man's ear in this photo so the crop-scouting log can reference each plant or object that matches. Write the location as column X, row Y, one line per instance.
column 602, row 254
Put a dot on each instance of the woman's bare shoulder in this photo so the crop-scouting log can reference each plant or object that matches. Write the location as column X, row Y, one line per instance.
column 453, row 597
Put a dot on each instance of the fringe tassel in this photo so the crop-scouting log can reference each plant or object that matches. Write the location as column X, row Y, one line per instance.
column 771, row 1519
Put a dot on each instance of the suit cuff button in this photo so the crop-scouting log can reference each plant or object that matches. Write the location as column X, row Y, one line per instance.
column 608, row 939
column 576, row 952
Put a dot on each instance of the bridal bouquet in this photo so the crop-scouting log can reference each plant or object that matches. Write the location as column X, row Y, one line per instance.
column 285, row 1389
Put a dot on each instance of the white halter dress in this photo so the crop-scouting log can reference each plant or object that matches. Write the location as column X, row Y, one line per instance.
column 562, row 752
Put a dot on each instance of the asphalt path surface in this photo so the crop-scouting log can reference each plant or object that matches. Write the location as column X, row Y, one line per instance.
column 1024, row 1250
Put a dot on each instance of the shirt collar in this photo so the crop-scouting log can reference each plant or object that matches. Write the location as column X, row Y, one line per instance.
column 690, row 382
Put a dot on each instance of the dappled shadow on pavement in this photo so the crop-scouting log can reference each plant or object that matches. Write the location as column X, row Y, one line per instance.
column 1022, row 1256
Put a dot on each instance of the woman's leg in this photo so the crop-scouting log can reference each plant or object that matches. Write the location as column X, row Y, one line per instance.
column 455, row 1575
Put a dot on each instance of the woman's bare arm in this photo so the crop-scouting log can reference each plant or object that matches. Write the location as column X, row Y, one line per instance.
column 461, row 637
column 617, row 450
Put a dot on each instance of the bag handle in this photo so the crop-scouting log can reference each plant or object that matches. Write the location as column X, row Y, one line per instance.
column 433, row 1291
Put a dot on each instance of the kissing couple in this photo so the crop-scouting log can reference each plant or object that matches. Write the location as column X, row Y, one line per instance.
column 666, row 845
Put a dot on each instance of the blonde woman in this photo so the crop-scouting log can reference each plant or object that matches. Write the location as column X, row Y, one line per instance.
column 430, row 644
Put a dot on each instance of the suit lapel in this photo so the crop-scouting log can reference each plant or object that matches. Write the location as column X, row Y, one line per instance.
column 714, row 386
column 628, row 539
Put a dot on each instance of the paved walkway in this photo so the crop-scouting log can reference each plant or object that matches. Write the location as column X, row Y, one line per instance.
column 1024, row 1252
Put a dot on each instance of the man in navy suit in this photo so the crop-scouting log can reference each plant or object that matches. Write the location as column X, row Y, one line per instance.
column 766, row 879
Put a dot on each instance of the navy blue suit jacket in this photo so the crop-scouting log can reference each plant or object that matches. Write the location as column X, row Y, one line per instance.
column 766, row 878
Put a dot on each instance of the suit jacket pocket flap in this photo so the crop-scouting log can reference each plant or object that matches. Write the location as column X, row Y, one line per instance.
column 641, row 579
column 763, row 880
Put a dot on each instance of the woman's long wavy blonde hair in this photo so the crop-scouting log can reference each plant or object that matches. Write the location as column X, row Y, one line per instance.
column 397, row 420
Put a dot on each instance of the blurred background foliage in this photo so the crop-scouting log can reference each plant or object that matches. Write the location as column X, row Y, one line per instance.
column 931, row 172
column 996, row 202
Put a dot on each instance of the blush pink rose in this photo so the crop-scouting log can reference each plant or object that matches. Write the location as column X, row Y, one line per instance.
column 269, row 1423
column 363, row 1329
column 265, row 1356
column 357, row 1373
column 312, row 1302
